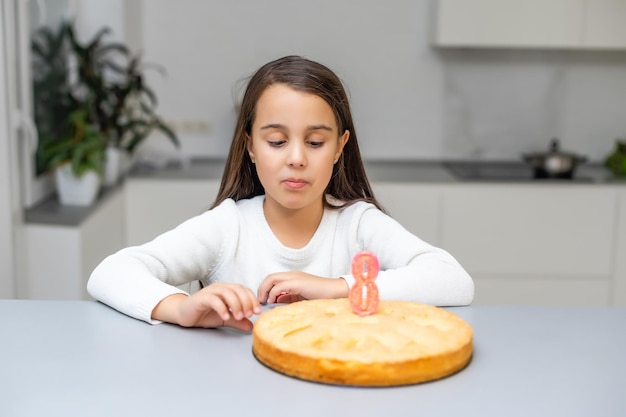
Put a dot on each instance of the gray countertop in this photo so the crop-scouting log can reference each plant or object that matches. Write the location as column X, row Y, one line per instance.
column 400, row 171
column 81, row 358
column 418, row 172
column 52, row 212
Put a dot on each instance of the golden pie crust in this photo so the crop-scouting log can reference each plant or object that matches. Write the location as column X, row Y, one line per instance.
column 324, row 341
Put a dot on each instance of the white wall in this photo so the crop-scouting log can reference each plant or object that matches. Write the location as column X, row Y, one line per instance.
column 499, row 104
column 91, row 15
column 380, row 49
column 410, row 101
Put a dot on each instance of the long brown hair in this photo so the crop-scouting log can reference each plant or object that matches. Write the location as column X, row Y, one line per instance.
column 349, row 181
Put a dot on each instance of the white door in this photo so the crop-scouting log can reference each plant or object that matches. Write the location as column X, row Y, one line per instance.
column 9, row 201
column 20, row 186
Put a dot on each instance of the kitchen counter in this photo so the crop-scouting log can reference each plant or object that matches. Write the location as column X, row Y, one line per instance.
column 402, row 172
column 52, row 212
column 419, row 172
column 79, row 358
column 393, row 171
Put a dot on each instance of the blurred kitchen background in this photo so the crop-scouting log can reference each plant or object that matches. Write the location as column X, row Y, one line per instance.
column 430, row 81
column 412, row 97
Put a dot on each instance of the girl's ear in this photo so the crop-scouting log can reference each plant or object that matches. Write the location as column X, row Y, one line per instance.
column 249, row 147
column 343, row 139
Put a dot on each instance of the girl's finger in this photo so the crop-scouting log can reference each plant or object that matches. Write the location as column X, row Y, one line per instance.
column 289, row 298
column 212, row 301
column 263, row 290
column 251, row 304
column 244, row 325
column 233, row 302
column 268, row 284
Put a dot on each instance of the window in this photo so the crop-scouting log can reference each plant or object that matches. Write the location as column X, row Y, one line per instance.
column 20, row 20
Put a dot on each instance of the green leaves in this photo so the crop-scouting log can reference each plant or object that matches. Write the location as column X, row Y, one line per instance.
column 103, row 100
column 84, row 149
column 140, row 129
column 616, row 161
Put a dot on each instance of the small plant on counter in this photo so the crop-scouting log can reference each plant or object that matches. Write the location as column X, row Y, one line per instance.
column 83, row 148
column 616, row 161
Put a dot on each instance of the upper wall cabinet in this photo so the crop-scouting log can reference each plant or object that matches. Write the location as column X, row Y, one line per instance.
column 605, row 24
column 539, row 24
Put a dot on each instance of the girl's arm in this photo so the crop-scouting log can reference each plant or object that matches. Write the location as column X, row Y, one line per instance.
column 411, row 269
column 291, row 286
column 136, row 279
column 218, row 304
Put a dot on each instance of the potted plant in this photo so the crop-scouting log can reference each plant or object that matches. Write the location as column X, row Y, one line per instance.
column 123, row 106
column 68, row 146
column 77, row 160
column 91, row 103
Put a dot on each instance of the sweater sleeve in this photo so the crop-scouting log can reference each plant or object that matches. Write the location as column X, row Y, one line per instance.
column 135, row 279
column 411, row 269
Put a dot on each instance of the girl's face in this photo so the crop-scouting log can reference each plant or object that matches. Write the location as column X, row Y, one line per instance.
column 294, row 143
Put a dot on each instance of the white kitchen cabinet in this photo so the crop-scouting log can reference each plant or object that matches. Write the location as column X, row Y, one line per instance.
column 59, row 258
column 558, row 24
column 416, row 206
column 156, row 206
column 605, row 24
column 531, row 230
column 524, row 244
column 509, row 23
column 619, row 289
column 541, row 291
column 533, row 244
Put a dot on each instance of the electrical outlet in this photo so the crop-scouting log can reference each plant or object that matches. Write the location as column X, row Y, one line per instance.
column 190, row 126
column 203, row 126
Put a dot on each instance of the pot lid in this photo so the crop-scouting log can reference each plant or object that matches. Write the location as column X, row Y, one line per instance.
column 555, row 151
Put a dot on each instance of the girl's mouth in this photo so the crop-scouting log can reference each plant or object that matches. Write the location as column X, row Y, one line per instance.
column 294, row 184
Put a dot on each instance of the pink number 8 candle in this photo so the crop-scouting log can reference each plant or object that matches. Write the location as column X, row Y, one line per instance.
column 364, row 293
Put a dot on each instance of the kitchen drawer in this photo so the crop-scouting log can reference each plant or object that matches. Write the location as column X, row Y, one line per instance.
column 58, row 259
column 417, row 207
column 619, row 289
column 531, row 230
column 156, row 206
column 542, row 291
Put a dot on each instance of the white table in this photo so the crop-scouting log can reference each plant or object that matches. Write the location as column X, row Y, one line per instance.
column 80, row 358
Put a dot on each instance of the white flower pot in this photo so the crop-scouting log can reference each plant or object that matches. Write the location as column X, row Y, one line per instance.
column 128, row 161
column 117, row 164
column 113, row 165
column 76, row 191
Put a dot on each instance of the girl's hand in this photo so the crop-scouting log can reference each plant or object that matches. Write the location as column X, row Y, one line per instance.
column 288, row 287
column 216, row 305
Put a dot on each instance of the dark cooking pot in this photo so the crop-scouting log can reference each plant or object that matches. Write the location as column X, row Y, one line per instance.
column 554, row 163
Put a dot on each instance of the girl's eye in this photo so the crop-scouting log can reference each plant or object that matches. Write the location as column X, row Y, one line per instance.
column 315, row 144
column 276, row 143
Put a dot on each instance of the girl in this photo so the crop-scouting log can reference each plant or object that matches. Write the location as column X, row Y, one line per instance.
column 294, row 207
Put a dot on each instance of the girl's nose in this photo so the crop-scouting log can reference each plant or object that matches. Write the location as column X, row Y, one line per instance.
column 296, row 156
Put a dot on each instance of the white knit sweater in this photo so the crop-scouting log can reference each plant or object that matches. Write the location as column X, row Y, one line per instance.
column 234, row 243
